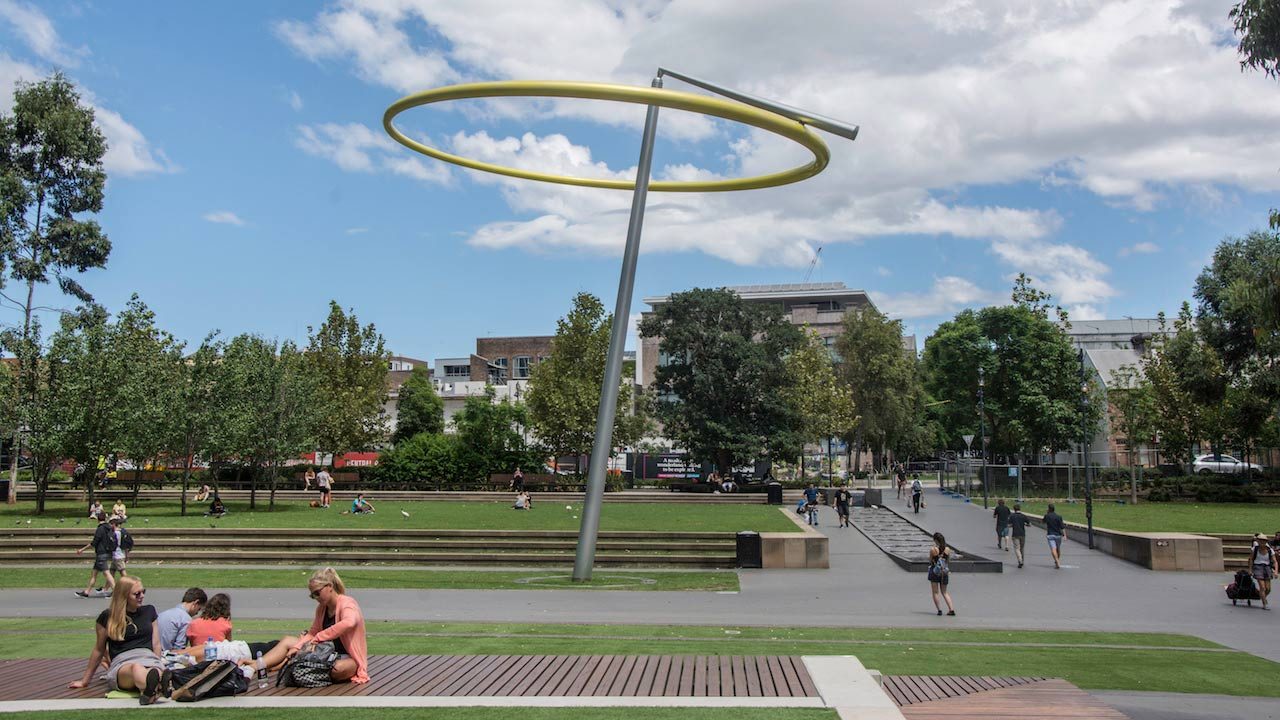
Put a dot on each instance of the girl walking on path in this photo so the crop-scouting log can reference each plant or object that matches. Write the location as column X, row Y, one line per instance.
column 940, row 573
column 1263, row 563
column 128, row 637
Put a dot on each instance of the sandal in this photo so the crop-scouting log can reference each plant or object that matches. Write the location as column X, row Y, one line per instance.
column 152, row 689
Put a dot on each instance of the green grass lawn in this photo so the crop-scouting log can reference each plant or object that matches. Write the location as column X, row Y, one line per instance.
column 548, row 514
column 1172, row 516
column 372, row 577
column 1115, row 661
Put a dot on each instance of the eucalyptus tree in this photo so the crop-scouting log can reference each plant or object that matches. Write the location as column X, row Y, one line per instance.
column 50, row 173
column 196, row 410
column 880, row 376
column 90, row 379
column 284, row 421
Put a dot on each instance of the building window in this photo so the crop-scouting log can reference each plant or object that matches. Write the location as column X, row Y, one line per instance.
column 457, row 371
column 522, row 367
column 501, row 365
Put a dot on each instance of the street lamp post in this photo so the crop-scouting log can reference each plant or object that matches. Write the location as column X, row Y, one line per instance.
column 982, row 431
column 1084, row 432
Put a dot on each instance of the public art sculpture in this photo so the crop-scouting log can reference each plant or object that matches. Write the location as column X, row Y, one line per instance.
column 788, row 122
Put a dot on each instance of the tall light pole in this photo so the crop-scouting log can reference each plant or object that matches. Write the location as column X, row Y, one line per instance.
column 982, row 431
column 1084, row 435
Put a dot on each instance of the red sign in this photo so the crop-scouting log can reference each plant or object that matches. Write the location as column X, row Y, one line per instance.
column 351, row 459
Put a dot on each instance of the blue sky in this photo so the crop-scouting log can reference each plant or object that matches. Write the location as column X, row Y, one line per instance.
column 1103, row 148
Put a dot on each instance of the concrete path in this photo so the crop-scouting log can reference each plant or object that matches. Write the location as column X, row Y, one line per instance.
column 1177, row 706
column 862, row 588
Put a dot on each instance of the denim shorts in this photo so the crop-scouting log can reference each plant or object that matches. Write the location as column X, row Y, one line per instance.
column 1055, row 542
column 1003, row 530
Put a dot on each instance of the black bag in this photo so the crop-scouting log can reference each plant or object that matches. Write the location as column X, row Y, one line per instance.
column 211, row 678
column 1243, row 588
column 309, row 668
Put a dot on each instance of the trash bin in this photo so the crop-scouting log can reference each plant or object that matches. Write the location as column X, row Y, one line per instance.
column 749, row 553
column 774, row 490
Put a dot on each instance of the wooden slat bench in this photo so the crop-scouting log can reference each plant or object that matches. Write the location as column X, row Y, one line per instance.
column 991, row 698
column 775, row 676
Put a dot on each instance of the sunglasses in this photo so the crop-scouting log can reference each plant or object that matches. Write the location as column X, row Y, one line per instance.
column 138, row 594
column 316, row 593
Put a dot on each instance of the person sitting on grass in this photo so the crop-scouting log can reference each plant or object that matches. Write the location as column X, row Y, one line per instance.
column 202, row 494
column 338, row 620
column 96, row 509
column 214, row 624
column 522, row 501
column 128, row 638
column 119, row 510
column 360, row 506
column 216, row 508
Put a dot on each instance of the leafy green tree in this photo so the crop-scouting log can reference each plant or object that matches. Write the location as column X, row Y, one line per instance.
column 90, row 377
column 1257, row 22
column 39, row 392
column 722, row 383
column 564, row 390
column 1132, row 414
column 283, row 428
column 423, row 458
column 491, row 436
column 50, row 173
column 881, row 378
column 1238, row 303
column 349, row 364
column 825, row 406
column 195, row 412
column 149, row 387
column 1188, row 382
column 952, row 356
column 418, row 409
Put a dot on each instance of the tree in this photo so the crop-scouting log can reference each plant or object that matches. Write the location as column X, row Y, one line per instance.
column 722, row 383
column 349, row 364
column 418, row 409
column 952, row 356
column 195, row 412
column 38, row 390
column 564, row 390
column 149, row 359
column 423, row 457
column 1189, row 386
column 284, row 421
column 1238, row 303
column 880, row 377
column 825, row 407
column 1133, row 414
column 1257, row 22
column 491, row 436
column 50, row 172
column 90, row 378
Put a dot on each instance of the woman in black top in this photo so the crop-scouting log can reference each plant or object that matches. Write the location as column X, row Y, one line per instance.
column 129, row 639
column 843, row 496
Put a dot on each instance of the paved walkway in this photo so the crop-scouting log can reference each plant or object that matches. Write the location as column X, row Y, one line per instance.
column 862, row 588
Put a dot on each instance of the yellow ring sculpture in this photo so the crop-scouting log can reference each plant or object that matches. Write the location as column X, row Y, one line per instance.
column 702, row 104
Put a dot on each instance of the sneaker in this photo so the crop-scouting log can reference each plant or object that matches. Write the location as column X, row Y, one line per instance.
column 952, row 613
column 166, row 683
column 939, row 613
column 152, row 689
column 1019, row 564
column 81, row 593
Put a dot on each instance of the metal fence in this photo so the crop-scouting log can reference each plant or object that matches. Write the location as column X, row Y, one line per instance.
column 1018, row 481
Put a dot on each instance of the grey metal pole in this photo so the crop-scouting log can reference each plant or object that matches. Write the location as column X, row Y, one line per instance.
column 585, row 557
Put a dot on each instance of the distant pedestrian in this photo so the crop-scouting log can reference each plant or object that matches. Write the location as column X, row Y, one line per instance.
column 1018, row 524
column 308, row 477
column 123, row 545
column 324, row 481
column 843, row 498
column 173, row 622
column 1056, row 529
column 901, row 476
column 1001, row 515
column 917, row 494
column 103, row 543
column 940, row 573
column 517, row 480
column 1262, row 561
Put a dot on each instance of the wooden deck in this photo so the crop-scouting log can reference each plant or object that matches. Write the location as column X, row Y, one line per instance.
column 495, row 675
column 992, row 698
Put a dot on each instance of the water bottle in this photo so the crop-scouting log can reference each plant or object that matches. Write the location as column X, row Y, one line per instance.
column 210, row 650
column 262, row 673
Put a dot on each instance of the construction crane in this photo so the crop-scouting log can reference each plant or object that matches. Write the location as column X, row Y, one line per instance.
column 813, row 264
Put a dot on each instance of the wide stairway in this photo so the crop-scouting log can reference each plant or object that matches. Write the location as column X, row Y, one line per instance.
column 378, row 546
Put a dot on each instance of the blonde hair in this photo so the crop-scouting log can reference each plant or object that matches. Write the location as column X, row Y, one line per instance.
column 117, row 617
column 329, row 576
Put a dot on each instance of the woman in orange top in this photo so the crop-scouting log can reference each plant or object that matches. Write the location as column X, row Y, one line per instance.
column 214, row 622
column 338, row 620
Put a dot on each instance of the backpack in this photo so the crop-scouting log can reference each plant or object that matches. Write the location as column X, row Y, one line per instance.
column 211, row 678
column 938, row 570
column 1243, row 588
column 309, row 668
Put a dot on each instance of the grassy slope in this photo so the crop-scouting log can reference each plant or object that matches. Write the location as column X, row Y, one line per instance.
column 370, row 577
column 547, row 514
column 1173, row 517
column 1164, row 662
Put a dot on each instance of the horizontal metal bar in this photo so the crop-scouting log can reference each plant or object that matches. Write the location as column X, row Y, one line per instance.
column 835, row 127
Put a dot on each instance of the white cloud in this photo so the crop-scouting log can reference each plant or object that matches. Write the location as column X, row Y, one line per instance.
column 295, row 100
column 128, row 151
column 224, row 217
column 1142, row 248
column 947, row 295
column 38, row 32
column 1072, row 274
column 357, row 230
column 883, row 271
column 356, row 148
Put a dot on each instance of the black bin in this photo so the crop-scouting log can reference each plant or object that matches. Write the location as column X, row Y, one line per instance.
column 774, row 491
column 750, row 554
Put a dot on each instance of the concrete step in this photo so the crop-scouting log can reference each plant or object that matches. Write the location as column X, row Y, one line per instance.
column 232, row 556
column 252, row 542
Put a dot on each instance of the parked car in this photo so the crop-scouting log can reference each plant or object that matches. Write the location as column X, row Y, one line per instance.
column 1225, row 464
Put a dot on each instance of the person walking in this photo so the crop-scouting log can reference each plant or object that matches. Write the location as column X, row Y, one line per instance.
column 128, row 638
column 324, row 481
column 1018, row 524
column 917, row 494
column 811, row 504
column 1056, row 529
column 843, row 498
column 174, row 622
column 103, row 544
column 940, row 574
column 1001, row 515
column 1262, row 561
